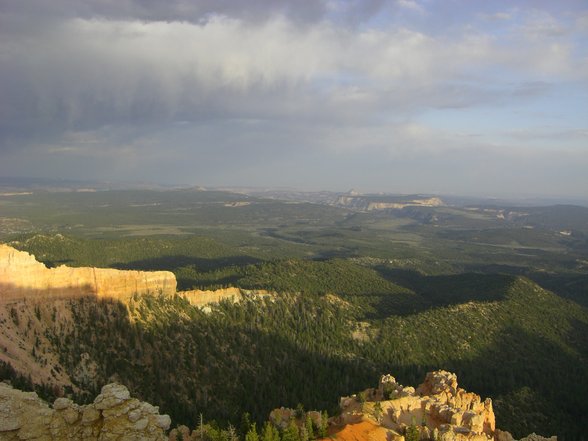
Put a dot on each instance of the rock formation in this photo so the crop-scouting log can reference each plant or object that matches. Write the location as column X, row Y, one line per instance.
column 437, row 404
column 34, row 297
column 281, row 417
column 113, row 415
column 202, row 298
column 371, row 203
column 21, row 276
column 438, row 409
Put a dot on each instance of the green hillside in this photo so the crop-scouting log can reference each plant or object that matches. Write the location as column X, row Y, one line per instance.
column 510, row 340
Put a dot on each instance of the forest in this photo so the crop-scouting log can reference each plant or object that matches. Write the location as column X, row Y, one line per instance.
column 357, row 295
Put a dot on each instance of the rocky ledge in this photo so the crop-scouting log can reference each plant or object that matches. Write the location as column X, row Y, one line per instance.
column 113, row 415
column 437, row 410
column 22, row 276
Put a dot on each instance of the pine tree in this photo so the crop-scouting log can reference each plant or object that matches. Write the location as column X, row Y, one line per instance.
column 299, row 411
column 303, row 434
column 232, row 432
column 245, row 424
column 309, row 429
column 252, row 433
column 324, row 425
column 291, row 433
column 412, row 432
column 378, row 411
column 269, row 432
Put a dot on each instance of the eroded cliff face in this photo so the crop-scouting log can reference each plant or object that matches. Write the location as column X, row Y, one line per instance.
column 202, row 298
column 22, row 276
column 113, row 415
column 438, row 405
column 437, row 410
column 37, row 310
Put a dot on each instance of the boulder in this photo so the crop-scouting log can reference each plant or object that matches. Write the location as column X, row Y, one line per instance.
column 114, row 415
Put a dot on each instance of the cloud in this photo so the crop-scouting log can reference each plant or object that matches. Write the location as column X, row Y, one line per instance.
column 411, row 5
column 86, row 73
column 212, row 79
column 498, row 16
column 171, row 10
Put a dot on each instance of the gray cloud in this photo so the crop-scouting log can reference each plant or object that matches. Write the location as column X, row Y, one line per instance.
column 148, row 84
column 252, row 11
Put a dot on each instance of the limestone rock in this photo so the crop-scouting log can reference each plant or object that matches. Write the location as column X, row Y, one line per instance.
column 535, row 437
column 437, row 406
column 111, row 395
column 439, row 409
column 203, row 298
column 114, row 415
column 500, row 435
column 62, row 403
column 21, row 276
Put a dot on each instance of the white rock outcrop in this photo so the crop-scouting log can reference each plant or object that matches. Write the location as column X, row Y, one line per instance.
column 22, row 276
column 113, row 416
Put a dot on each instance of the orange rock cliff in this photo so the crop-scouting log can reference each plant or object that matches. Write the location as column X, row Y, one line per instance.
column 21, row 275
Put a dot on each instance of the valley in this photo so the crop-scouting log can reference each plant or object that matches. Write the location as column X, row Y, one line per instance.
column 330, row 296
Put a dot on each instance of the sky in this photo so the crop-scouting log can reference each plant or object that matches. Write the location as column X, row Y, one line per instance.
column 463, row 97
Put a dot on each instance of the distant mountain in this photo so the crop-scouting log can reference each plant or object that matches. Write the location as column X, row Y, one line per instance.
column 16, row 184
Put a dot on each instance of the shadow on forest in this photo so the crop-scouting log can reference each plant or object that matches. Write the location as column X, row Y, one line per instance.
column 170, row 263
column 537, row 386
column 572, row 286
column 55, row 263
column 446, row 290
column 187, row 268
column 569, row 286
column 206, row 363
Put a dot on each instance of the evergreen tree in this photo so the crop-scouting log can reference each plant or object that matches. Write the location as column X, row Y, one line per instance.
column 269, row 432
column 245, row 424
column 323, row 432
column 252, row 433
column 303, row 434
column 232, row 433
column 412, row 432
column 299, row 411
column 378, row 411
column 309, row 428
column 291, row 433
column 361, row 397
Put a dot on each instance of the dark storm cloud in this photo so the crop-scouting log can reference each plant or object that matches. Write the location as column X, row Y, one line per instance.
column 115, row 87
column 169, row 10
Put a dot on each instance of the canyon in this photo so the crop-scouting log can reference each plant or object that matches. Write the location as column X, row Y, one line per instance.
column 34, row 297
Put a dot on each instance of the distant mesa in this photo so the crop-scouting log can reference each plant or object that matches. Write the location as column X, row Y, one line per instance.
column 355, row 201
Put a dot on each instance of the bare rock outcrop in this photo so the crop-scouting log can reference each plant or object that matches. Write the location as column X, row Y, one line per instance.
column 202, row 298
column 22, row 276
column 113, row 415
column 437, row 409
column 281, row 417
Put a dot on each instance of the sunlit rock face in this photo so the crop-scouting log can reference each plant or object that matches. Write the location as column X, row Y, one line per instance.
column 438, row 408
column 22, row 276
